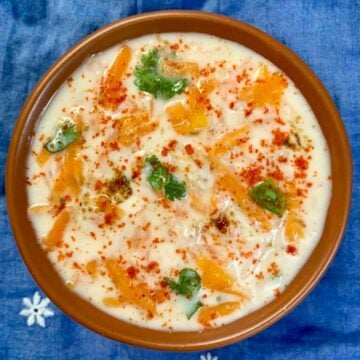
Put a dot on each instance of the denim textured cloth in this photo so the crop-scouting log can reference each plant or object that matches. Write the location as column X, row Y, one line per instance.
column 324, row 33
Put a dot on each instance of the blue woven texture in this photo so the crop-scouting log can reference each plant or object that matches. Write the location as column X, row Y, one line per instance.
column 33, row 34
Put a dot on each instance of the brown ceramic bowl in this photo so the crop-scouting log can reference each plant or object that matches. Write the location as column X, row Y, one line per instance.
column 179, row 21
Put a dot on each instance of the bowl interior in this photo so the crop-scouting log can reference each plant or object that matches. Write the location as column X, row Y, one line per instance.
column 179, row 21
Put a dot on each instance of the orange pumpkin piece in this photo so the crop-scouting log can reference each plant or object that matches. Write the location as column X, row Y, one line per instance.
column 230, row 183
column 133, row 128
column 228, row 180
column 176, row 68
column 177, row 115
column 39, row 209
column 209, row 313
column 55, row 236
column 91, row 268
column 70, row 178
column 198, row 203
column 113, row 301
column 215, row 278
column 294, row 227
column 111, row 85
column 197, row 116
column 43, row 157
column 267, row 89
column 191, row 118
column 207, row 85
column 227, row 142
column 139, row 295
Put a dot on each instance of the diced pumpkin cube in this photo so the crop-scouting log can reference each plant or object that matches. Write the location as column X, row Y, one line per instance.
column 228, row 180
column 39, row 209
column 178, row 117
column 138, row 295
column 198, row 203
column 207, row 85
column 176, row 68
column 191, row 118
column 113, row 301
column 91, row 268
column 143, row 297
column 120, row 64
column 294, row 227
column 70, row 178
column 209, row 313
column 267, row 89
column 227, row 142
column 133, row 128
column 230, row 183
column 43, row 157
column 111, row 84
column 213, row 276
column 196, row 113
column 55, row 236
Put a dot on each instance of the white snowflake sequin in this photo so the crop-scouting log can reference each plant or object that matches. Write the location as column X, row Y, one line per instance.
column 36, row 310
column 208, row 356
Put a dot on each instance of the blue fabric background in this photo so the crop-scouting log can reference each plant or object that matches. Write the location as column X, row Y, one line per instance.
column 326, row 34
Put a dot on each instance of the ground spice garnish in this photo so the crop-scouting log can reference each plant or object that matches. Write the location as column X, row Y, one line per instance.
column 292, row 250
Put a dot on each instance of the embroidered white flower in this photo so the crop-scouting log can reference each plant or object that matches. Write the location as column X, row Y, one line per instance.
column 208, row 356
column 36, row 310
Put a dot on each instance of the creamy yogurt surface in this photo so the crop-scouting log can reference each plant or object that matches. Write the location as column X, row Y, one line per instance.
column 178, row 181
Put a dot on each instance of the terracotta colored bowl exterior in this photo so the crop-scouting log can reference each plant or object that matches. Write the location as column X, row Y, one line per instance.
column 179, row 21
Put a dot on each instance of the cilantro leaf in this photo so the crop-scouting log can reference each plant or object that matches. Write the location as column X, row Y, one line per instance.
column 188, row 284
column 159, row 177
column 150, row 80
column 174, row 189
column 195, row 307
column 269, row 196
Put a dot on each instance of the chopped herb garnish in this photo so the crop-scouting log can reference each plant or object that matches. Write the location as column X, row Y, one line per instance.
column 188, row 284
column 297, row 137
column 65, row 135
column 119, row 188
column 159, row 177
column 195, row 307
column 150, row 80
column 269, row 196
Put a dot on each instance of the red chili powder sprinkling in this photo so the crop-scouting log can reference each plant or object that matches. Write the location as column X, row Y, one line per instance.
column 198, row 163
column 280, row 121
column 252, row 174
column 290, row 249
column 174, row 46
column 189, row 149
column 132, row 272
column 153, row 266
column 99, row 184
column 277, row 174
column 301, row 163
column 280, row 137
column 248, row 112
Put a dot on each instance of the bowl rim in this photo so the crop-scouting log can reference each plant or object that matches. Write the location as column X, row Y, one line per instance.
column 219, row 338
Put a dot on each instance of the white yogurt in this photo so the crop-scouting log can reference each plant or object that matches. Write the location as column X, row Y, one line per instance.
column 174, row 234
